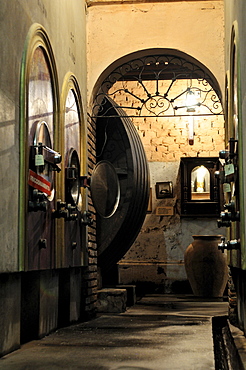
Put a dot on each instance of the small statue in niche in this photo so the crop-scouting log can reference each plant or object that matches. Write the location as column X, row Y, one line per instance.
column 200, row 184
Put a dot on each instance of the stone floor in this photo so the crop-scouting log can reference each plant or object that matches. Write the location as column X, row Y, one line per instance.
column 160, row 332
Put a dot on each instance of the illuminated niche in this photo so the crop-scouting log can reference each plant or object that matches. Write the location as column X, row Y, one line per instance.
column 200, row 195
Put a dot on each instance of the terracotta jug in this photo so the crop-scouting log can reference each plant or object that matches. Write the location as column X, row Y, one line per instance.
column 206, row 266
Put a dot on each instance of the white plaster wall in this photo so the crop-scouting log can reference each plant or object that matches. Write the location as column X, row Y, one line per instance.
column 196, row 28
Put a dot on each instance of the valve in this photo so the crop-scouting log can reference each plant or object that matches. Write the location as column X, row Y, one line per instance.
column 221, row 223
column 38, row 202
column 72, row 215
column 86, row 218
column 230, row 206
column 42, row 153
column 61, row 210
column 224, row 154
column 66, row 211
column 225, row 220
column 229, row 245
column 230, row 215
column 51, row 156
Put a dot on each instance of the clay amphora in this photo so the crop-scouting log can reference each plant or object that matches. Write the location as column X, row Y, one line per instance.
column 206, row 266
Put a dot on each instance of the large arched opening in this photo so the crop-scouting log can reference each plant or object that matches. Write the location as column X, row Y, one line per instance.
column 173, row 104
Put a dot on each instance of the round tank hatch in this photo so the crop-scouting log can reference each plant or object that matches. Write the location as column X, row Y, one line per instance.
column 105, row 189
column 72, row 178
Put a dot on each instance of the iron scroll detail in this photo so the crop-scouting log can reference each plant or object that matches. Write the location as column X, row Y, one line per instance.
column 162, row 97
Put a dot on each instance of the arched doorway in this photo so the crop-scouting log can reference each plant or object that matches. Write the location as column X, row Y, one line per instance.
column 172, row 100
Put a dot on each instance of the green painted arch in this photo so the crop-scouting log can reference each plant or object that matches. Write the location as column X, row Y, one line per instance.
column 36, row 37
column 235, row 63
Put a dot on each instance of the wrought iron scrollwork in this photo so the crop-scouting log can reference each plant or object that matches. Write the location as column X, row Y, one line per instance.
column 161, row 97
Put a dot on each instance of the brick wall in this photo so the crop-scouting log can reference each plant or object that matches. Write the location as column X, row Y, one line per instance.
column 165, row 139
column 90, row 274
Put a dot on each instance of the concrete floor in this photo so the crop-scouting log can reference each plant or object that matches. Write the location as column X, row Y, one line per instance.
column 161, row 332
